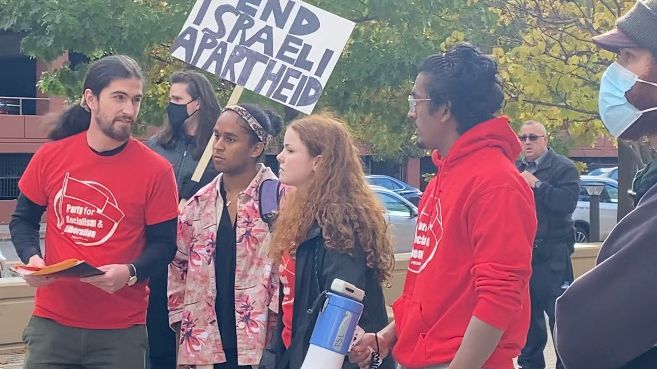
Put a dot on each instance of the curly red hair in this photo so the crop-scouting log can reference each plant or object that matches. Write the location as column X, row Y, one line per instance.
column 337, row 198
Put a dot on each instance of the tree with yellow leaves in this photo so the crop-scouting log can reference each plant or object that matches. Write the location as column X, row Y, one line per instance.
column 552, row 69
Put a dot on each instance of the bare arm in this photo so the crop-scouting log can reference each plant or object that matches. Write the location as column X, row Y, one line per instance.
column 478, row 344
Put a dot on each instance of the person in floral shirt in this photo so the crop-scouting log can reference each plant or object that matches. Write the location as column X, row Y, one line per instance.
column 222, row 281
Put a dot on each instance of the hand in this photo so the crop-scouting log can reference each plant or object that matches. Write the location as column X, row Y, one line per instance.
column 361, row 353
column 116, row 277
column 34, row 280
column 529, row 178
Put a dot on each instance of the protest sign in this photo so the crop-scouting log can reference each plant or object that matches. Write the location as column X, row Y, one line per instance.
column 282, row 49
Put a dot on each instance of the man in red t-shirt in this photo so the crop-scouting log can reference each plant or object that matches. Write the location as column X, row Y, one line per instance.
column 465, row 302
column 109, row 200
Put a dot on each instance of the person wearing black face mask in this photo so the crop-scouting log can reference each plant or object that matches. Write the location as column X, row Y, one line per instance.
column 177, row 113
column 191, row 115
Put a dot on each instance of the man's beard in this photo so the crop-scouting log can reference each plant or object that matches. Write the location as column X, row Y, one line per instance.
column 112, row 130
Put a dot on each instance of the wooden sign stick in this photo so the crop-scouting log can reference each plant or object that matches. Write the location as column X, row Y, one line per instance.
column 207, row 154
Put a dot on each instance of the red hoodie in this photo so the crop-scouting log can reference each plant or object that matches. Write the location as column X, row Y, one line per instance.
column 472, row 252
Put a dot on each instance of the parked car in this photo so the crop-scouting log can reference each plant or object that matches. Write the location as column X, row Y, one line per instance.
column 605, row 172
column 608, row 207
column 401, row 215
column 407, row 191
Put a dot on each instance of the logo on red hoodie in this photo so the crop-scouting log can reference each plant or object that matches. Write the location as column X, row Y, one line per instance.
column 428, row 234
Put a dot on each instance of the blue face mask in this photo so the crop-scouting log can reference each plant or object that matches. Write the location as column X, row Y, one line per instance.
column 616, row 112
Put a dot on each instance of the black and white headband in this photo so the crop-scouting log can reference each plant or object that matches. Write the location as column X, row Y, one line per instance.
column 256, row 127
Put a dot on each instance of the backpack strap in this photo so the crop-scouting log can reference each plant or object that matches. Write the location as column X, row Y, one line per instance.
column 269, row 199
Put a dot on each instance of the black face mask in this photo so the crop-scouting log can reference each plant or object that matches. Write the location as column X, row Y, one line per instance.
column 177, row 114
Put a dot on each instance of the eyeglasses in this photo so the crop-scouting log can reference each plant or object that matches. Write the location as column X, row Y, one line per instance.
column 412, row 103
column 531, row 137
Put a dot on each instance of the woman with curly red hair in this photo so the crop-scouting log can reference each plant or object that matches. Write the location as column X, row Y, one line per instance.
column 331, row 226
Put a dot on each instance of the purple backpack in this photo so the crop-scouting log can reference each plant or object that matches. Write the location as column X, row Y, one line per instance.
column 270, row 196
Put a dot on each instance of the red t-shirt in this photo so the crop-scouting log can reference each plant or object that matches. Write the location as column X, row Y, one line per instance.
column 97, row 210
column 288, row 268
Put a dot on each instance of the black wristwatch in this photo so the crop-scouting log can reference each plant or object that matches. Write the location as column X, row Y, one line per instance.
column 133, row 275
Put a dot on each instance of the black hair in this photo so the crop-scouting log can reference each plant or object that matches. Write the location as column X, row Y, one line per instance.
column 467, row 82
column 101, row 73
column 268, row 119
column 199, row 88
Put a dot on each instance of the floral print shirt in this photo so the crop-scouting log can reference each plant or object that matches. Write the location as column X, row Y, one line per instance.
column 192, row 285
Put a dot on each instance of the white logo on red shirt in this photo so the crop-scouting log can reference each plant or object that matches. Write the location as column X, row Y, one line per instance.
column 428, row 234
column 287, row 272
column 86, row 211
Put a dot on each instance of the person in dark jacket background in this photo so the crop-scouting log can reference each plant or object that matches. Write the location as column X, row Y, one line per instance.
column 555, row 182
column 606, row 319
column 192, row 113
column 330, row 227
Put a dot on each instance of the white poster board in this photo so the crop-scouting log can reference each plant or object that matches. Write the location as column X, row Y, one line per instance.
column 282, row 49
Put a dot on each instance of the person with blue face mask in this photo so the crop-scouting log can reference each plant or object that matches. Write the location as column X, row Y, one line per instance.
column 617, row 113
column 191, row 114
column 607, row 319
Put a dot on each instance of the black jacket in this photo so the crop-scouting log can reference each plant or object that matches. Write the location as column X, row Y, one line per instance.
column 184, row 164
column 316, row 268
column 556, row 199
column 644, row 180
column 606, row 318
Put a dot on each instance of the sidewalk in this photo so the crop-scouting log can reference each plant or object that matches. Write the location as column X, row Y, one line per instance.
column 5, row 236
column 15, row 360
column 12, row 359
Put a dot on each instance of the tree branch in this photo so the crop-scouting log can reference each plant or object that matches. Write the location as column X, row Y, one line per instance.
column 365, row 18
column 561, row 106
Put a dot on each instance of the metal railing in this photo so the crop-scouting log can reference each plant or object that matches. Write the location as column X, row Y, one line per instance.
column 16, row 105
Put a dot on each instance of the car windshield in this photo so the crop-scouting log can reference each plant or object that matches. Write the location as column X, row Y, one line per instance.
column 605, row 172
column 599, row 172
column 393, row 205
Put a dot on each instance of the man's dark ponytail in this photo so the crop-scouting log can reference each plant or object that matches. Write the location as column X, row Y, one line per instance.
column 72, row 121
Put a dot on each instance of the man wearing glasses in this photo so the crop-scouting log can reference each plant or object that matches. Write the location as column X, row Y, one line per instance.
column 555, row 182
column 465, row 302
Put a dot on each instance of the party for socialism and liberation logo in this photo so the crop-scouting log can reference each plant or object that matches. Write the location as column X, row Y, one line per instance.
column 86, row 211
column 428, row 233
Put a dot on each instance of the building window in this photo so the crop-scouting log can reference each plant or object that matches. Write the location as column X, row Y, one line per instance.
column 12, row 167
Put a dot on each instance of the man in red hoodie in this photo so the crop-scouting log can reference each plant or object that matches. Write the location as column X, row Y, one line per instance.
column 465, row 303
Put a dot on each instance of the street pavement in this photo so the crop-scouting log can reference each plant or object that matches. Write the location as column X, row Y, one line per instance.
column 8, row 251
column 7, row 248
column 15, row 360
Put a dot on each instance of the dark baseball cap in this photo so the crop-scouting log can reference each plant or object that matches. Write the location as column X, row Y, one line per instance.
column 637, row 28
column 615, row 40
